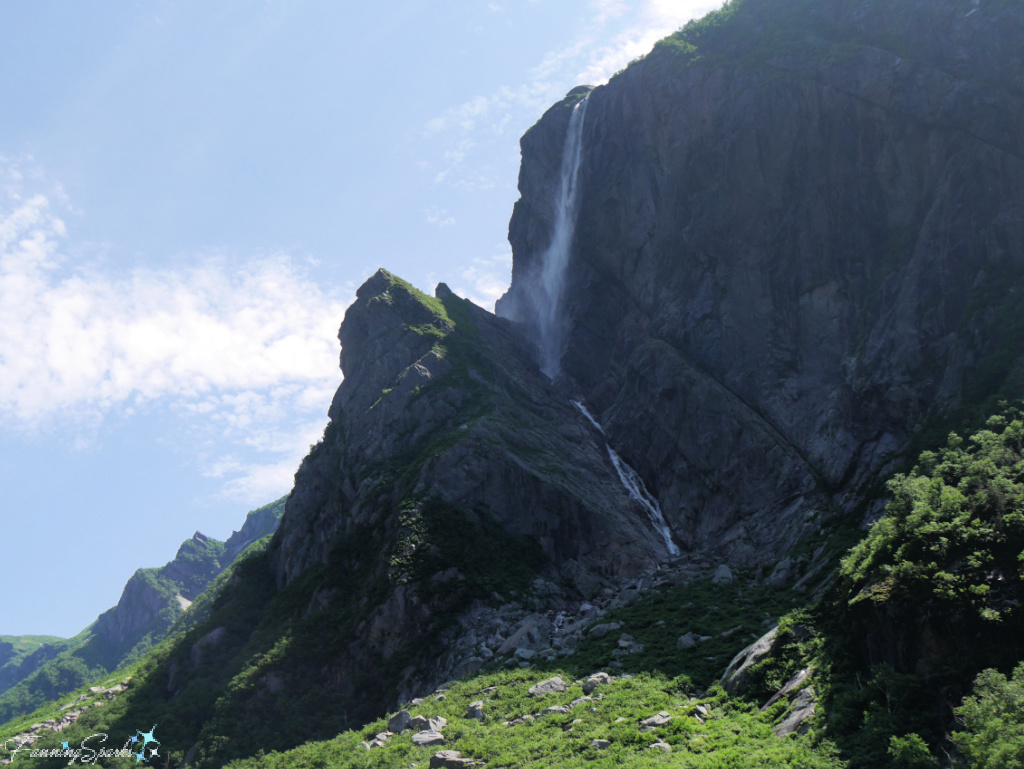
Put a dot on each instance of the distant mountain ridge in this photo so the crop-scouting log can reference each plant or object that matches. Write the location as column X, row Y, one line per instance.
column 153, row 599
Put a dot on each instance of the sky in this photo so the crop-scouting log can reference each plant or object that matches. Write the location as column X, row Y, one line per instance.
column 190, row 194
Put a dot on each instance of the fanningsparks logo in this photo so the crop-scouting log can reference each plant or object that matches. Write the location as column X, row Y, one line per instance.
column 142, row 746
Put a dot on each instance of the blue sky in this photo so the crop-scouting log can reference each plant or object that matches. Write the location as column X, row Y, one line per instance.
column 190, row 193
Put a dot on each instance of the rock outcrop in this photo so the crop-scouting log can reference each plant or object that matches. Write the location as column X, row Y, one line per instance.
column 798, row 239
column 445, row 442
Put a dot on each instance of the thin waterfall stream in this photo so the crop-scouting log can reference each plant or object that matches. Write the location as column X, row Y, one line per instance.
column 551, row 320
column 635, row 486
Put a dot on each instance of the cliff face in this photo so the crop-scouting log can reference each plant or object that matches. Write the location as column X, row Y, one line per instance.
column 442, row 401
column 451, row 472
column 798, row 238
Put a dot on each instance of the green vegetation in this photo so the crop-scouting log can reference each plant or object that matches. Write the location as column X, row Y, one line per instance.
column 66, row 665
column 954, row 530
column 734, row 734
column 731, row 616
column 993, row 721
column 437, row 537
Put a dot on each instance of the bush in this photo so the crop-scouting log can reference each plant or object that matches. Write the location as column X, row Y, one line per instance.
column 993, row 720
column 954, row 530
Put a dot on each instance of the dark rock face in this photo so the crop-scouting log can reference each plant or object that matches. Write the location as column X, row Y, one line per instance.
column 445, row 429
column 504, row 441
column 792, row 249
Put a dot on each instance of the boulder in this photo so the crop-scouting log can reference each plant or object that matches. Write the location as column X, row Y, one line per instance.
column 723, row 576
column 399, row 722
column 555, row 710
column 550, row 686
column 427, row 723
column 450, row 759
column 597, row 679
column 736, row 676
column 476, row 710
column 659, row 719
column 799, row 718
column 686, row 641
column 428, row 738
column 600, row 631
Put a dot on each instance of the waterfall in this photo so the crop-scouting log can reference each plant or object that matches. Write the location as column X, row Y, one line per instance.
column 634, row 485
column 551, row 321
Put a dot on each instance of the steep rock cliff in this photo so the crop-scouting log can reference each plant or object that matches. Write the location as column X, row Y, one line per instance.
column 798, row 239
column 442, row 401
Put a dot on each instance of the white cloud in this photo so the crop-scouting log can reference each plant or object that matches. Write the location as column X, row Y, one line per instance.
column 439, row 217
column 654, row 20
column 244, row 352
column 617, row 32
column 255, row 482
column 486, row 279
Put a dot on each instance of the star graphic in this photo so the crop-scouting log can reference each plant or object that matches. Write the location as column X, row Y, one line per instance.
column 134, row 739
column 154, row 754
column 139, row 757
column 65, row 745
column 148, row 737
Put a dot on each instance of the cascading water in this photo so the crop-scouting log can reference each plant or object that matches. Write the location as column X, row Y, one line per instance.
column 635, row 486
column 550, row 282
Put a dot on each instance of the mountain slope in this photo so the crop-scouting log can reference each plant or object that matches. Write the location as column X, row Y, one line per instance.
column 152, row 600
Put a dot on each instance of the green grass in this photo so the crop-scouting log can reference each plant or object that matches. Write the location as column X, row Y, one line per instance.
column 734, row 734
column 26, row 644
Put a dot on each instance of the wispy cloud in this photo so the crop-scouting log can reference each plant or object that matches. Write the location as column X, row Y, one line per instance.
column 652, row 21
column 439, row 217
column 486, row 279
column 247, row 350
column 617, row 32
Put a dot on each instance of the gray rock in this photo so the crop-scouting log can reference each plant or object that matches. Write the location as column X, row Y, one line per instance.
column 789, row 687
column 468, row 667
column 781, row 574
column 723, row 576
column 737, row 674
column 662, row 746
column 799, row 718
column 659, row 719
column 686, row 641
column 476, row 710
column 597, row 679
column 555, row 710
column 450, row 759
column 428, row 738
column 427, row 724
column 399, row 722
column 600, row 631
column 600, row 744
column 550, row 686
column 625, row 598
